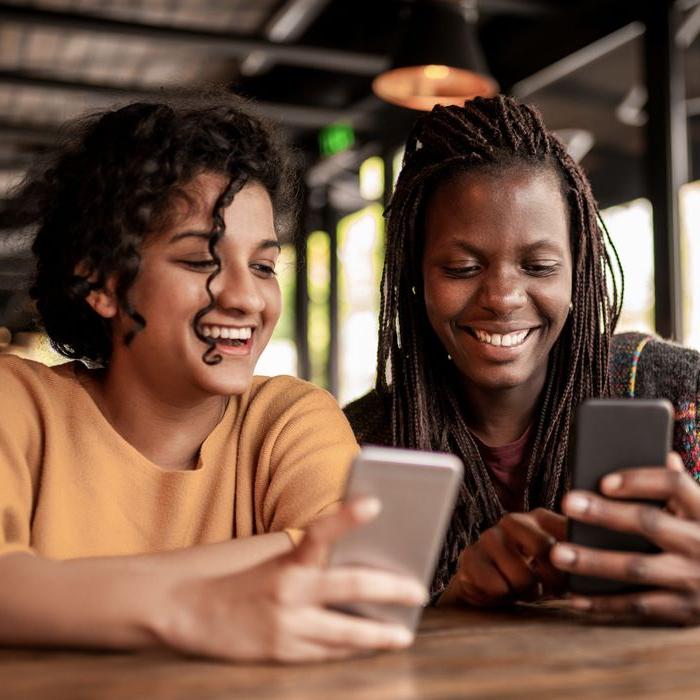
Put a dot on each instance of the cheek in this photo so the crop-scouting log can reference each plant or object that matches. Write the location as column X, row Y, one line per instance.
column 443, row 300
column 273, row 302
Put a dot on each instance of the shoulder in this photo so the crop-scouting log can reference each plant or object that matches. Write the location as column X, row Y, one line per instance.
column 370, row 418
column 20, row 378
column 283, row 391
column 283, row 399
column 645, row 365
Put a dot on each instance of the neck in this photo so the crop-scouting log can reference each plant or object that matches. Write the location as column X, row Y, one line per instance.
column 500, row 416
column 167, row 430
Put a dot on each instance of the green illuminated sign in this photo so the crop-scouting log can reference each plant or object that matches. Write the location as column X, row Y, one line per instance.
column 335, row 138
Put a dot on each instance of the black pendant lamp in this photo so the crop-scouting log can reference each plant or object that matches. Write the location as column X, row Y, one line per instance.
column 439, row 60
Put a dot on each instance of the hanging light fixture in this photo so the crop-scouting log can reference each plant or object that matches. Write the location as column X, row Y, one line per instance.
column 439, row 60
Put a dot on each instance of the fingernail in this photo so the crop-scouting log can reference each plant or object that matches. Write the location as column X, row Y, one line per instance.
column 580, row 603
column 367, row 508
column 564, row 554
column 403, row 637
column 577, row 503
column 420, row 595
column 612, row 482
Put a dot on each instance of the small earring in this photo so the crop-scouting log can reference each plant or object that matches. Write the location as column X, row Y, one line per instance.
column 449, row 357
column 571, row 307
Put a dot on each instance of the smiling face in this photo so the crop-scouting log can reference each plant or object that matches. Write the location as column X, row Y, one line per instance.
column 497, row 274
column 170, row 289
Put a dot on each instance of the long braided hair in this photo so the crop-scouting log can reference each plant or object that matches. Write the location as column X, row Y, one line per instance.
column 414, row 374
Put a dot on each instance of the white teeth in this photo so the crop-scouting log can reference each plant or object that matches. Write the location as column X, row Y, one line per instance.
column 226, row 332
column 508, row 340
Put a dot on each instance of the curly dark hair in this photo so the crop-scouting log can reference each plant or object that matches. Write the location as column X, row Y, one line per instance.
column 111, row 183
column 414, row 376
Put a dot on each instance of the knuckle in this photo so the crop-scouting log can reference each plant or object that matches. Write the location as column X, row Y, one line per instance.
column 489, row 536
column 694, row 605
column 650, row 519
column 677, row 481
column 285, row 589
column 637, row 569
column 692, row 582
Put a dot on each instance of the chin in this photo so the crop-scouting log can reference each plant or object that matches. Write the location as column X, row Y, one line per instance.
column 225, row 383
column 499, row 380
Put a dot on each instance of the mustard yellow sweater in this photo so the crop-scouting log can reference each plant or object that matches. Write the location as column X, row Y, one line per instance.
column 71, row 486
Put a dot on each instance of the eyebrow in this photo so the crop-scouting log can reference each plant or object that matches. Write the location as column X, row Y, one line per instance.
column 204, row 235
column 545, row 243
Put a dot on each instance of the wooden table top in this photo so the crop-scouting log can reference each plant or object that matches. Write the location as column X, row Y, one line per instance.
column 523, row 653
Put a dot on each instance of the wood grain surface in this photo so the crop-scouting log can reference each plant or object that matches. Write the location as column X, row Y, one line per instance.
column 528, row 652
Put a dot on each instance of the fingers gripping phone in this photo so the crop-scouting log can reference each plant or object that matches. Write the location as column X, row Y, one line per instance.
column 614, row 434
column 418, row 492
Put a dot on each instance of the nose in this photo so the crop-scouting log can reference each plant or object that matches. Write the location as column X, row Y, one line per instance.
column 235, row 289
column 501, row 291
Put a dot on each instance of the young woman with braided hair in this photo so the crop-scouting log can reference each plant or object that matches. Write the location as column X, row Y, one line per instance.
column 154, row 496
column 498, row 307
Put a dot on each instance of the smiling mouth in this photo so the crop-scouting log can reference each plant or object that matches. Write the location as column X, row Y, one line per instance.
column 228, row 336
column 500, row 340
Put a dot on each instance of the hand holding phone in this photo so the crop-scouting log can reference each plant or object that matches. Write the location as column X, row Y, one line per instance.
column 614, row 434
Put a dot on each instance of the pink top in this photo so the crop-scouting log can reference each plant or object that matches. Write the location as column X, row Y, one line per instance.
column 507, row 465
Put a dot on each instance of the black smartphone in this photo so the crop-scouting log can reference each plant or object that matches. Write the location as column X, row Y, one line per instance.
column 614, row 434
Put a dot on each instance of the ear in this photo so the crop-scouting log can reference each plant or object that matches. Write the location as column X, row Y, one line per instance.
column 103, row 300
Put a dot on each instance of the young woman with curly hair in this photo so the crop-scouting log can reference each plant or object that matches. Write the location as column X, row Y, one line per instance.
column 499, row 304
column 152, row 493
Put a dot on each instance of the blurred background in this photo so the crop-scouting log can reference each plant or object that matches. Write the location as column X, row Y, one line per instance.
column 619, row 80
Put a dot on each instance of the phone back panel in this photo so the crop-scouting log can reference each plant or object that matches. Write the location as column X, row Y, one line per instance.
column 418, row 492
column 614, row 434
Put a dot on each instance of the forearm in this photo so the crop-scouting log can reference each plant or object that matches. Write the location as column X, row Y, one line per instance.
column 223, row 557
column 108, row 602
column 116, row 602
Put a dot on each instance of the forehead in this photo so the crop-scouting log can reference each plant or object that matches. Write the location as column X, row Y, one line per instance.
column 515, row 206
column 192, row 208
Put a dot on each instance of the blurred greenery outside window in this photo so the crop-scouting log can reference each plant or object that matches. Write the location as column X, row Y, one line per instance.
column 361, row 257
column 318, row 257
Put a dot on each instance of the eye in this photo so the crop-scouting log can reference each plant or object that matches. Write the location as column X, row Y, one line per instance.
column 462, row 271
column 541, row 269
column 204, row 265
column 265, row 271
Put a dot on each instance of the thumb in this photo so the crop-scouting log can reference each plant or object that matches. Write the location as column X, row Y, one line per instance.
column 322, row 533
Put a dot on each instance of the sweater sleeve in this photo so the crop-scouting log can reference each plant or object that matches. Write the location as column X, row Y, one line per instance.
column 649, row 367
column 20, row 448
column 309, row 447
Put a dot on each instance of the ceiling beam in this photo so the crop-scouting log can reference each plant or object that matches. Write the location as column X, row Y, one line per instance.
column 199, row 40
column 287, row 114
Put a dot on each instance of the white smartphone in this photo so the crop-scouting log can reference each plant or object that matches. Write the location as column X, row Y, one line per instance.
column 418, row 492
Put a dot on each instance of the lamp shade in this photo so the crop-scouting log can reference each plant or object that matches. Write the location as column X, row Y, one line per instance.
column 438, row 61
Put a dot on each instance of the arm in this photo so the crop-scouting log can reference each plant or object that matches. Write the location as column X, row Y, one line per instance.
column 276, row 610
column 221, row 558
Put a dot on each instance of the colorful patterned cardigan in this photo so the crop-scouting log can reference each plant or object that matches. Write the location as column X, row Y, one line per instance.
column 641, row 366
